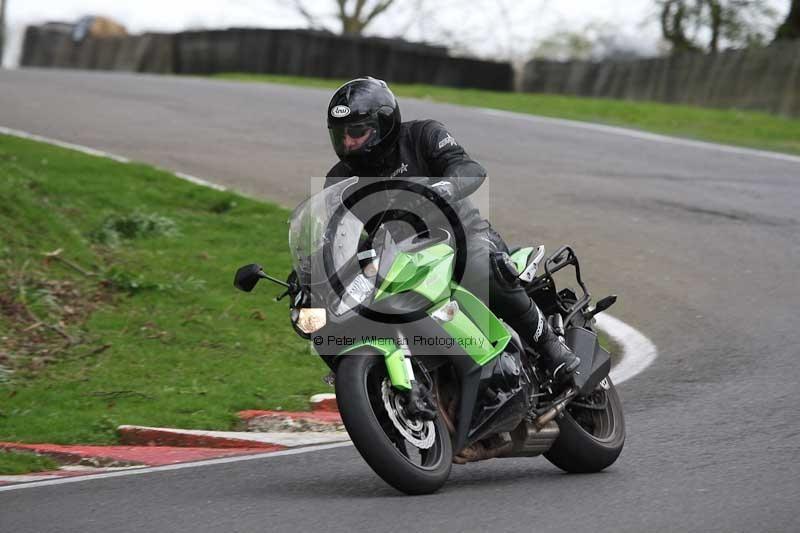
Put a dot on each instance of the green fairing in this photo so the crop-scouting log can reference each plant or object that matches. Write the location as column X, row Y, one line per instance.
column 394, row 357
column 482, row 335
column 426, row 272
column 520, row 258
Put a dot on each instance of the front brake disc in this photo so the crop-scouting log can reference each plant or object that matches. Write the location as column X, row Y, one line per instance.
column 419, row 433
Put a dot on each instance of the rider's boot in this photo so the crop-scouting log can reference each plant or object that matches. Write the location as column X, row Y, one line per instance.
column 557, row 358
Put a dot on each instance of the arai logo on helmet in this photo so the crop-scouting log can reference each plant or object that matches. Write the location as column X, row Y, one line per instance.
column 340, row 111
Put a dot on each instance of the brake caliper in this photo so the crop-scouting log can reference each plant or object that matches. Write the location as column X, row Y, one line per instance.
column 420, row 402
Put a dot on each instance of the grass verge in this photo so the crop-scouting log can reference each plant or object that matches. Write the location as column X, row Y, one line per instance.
column 741, row 128
column 117, row 304
column 14, row 463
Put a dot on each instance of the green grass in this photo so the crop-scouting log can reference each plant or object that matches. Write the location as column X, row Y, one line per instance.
column 142, row 288
column 742, row 128
column 13, row 463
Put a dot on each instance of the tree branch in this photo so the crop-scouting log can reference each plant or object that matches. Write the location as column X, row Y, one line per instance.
column 716, row 24
column 305, row 13
column 359, row 8
column 380, row 8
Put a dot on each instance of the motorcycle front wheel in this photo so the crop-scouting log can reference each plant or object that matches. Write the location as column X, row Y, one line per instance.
column 412, row 456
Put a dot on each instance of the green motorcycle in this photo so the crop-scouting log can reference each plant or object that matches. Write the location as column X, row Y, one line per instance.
column 425, row 374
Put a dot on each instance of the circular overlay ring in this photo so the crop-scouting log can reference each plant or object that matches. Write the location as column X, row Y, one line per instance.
column 382, row 186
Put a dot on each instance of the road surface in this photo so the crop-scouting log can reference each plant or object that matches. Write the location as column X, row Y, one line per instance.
column 701, row 244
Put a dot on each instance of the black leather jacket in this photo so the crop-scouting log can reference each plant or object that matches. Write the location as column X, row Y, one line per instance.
column 426, row 148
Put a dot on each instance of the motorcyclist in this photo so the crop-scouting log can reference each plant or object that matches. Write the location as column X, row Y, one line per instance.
column 371, row 141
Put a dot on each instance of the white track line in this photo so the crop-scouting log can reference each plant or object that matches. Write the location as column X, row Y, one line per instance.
column 179, row 466
column 288, row 439
column 642, row 135
column 638, row 352
column 62, row 144
column 199, row 181
column 101, row 153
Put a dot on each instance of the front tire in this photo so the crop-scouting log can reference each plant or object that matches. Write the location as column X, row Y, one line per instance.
column 359, row 380
column 590, row 439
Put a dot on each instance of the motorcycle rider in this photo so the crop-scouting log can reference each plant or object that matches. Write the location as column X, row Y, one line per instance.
column 371, row 141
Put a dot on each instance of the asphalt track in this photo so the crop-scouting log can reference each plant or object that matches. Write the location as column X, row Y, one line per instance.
column 701, row 244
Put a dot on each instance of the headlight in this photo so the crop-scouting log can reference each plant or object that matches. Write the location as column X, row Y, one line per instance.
column 311, row 319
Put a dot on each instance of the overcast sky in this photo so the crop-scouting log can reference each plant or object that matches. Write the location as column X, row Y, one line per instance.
column 476, row 22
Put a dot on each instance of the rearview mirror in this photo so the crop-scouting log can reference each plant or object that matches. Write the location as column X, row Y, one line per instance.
column 602, row 305
column 605, row 303
column 247, row 277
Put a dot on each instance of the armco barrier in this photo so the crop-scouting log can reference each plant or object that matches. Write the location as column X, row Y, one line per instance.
column 291, row 52
column 766, row 79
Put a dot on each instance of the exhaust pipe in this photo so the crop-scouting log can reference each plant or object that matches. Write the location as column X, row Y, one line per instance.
column 529, row 440
column 545, row 418
column 550, row 414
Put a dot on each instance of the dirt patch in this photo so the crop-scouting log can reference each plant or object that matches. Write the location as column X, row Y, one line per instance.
column 41, row 317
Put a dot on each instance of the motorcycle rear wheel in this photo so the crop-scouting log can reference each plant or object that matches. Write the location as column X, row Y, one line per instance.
column 590, row 440
column 359, row 383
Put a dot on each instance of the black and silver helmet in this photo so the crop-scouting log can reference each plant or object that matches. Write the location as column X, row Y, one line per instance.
column 364, row 122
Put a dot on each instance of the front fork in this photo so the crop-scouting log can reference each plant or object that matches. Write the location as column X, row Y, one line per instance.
column 398, row 366
column 401, row 374
column 419, row 402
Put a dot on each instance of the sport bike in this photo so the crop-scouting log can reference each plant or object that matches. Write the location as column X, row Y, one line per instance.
column 425, row 374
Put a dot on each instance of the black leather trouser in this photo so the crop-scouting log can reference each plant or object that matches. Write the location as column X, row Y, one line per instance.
column 512, row 304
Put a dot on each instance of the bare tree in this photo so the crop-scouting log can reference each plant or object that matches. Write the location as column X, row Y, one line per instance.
column 673, row 17
column 596, row 40
column 505, row 30
column 496, row 29
column 354, row 15
column 565, row 45
column 698, row 25
column 790, row 29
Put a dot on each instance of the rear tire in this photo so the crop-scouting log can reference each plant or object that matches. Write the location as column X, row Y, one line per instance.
column 367, row 422
column 589, row 441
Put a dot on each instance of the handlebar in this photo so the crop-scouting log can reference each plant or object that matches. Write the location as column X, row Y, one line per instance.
column 558, row 260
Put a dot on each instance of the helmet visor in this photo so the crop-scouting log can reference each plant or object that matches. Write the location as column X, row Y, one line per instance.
column 355, row 138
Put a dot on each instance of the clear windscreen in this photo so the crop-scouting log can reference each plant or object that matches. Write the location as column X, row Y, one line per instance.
column 328, row 243
column 323, row 219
